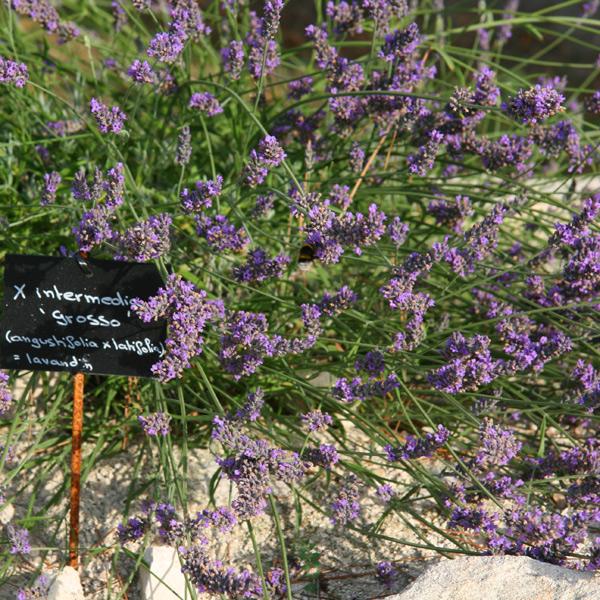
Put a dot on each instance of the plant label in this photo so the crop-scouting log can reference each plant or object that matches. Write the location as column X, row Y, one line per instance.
column 67, row 314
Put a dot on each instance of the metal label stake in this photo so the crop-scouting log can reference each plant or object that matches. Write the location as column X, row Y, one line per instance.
column 77, row 428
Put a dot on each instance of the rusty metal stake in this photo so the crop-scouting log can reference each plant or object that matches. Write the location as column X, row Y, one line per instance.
column 77, row 428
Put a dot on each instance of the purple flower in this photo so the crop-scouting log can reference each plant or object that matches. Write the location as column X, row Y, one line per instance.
column 271, row 17
column 51, row 182
column 156, row 424
column 183, row 152
column 346, row 507
column 12, row 72
column 109, row 120
column 372, row 362
column 339, row 195
column 347, row 17
column 245, row 343
column 385, row 493
column 258, row 267
column 324, row 456
column 451, row 212
column 264, row 204
column 507, row 151
column 18, row 539
column 233, row 58
column 400, row 45
column 589, row 8
column 415, row 447
column 300, row 87
column 146, row 240
column 38, row 591
column 268, row 155
column 142, row 72
column 119, row 15
column 206, row 103
column 469, row 365
column 505, row 31
column 480, row 241
column 220, row 233
column 397, row 231
column 350, row 391
column 167, row 46
column 422, row 162
column 535, row 104
column 253, row 406
column 223, row 519
column 316, row 420
column 333, row 304
column 200, row 198
column 498, row 446
column 134, row 530
column 357, row 158
column 94, row 228
column 592, row 103
column 42, row 12
column 386, row 573
column 188, row 313
column 251, row 464
column 384, row 12
column 212, row 577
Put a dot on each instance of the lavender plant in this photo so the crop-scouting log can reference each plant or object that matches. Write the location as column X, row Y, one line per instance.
column 399, row 205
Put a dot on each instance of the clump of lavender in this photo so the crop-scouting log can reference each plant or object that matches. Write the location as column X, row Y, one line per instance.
column 201, row 198
column 535, row 104
column 206, row 103
column 51, row 182
column 187, row 312
column 12, row 72
column 258, row 267
column 146, row 240
column 253, row 465
column 156, row 424
column 109, row 120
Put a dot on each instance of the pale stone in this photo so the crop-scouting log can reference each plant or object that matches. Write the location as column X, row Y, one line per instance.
column 162, row 579
column 66, row 586
column 6, row 514
column 501, row 578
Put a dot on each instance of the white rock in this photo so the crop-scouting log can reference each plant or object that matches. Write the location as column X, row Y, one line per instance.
column 6, row 514
column 163, row 564
column 66, row 586
column 501, row 578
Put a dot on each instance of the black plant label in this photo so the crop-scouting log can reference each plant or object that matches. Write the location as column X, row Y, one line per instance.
column 71, row 314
